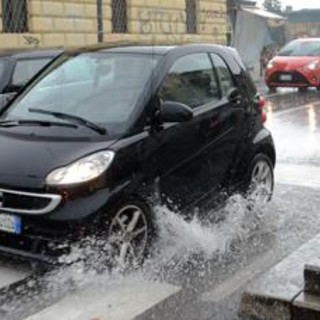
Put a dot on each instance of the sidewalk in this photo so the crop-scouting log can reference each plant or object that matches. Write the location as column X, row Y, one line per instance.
column 289, row 291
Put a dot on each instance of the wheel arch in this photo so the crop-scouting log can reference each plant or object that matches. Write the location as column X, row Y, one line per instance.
column 263, row 143
column 268, row 151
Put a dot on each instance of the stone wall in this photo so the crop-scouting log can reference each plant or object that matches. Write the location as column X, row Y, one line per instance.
column 74, row 23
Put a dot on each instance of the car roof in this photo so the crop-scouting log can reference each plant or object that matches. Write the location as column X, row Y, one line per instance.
column 142, row 47
column 29, row 53
column 307, row 40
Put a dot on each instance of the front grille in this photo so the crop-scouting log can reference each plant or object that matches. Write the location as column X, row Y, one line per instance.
column 26, row 202
column 296, row 78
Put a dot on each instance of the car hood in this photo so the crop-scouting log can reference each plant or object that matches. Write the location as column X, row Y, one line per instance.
column 292, row 63
column 25, row 162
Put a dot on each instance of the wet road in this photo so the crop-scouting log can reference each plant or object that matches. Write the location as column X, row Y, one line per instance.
column 200, row 270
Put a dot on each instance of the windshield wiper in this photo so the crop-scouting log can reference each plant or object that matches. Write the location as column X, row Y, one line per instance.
column 72, row 118
column 16, row 123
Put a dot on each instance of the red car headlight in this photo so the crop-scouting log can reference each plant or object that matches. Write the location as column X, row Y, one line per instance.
column 271, row 64
column 313, row 65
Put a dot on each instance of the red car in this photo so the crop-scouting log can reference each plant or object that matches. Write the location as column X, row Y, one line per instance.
column 297, row 65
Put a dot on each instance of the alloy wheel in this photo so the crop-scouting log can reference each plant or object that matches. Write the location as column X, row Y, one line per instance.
column 261, row 187
column 128, row 234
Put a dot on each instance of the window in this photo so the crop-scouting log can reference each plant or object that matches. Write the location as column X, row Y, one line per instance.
column 191, row 20
column 26, row 69
column 101, row 87
column 225, row 76
column 301, row 49
column 191, row 81
column 3, row 64
column 119, row 16
column 14, row 16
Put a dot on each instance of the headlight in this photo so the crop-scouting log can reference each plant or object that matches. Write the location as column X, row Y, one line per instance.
column 271, row 64
column 313, row 65
column 82, row 170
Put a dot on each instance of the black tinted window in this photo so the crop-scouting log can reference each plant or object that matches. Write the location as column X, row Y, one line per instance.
column 191, row 81
column 26, row 69
column 2, row 67
column 225, row 76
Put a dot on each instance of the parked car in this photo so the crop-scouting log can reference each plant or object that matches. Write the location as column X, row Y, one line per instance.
column 103, row 132
column 297, row 65
column 18, row 66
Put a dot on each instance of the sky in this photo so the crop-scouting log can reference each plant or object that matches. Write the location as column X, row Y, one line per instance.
column 300, row 4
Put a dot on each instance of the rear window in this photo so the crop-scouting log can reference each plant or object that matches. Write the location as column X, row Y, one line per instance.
column 25, row 69
column 301, row 48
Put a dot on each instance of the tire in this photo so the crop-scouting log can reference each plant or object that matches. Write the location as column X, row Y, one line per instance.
column 130, row 230
column 260, row 179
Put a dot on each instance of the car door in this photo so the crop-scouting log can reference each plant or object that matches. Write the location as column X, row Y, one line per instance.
column 194, row 156
column 224, row 127
column 182, row 156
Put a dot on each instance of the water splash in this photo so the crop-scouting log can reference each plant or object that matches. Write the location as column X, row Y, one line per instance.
column 179, row 239
column 179, row 242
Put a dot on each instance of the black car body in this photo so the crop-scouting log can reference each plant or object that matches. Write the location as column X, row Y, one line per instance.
column 139, row 132
column 18, row 66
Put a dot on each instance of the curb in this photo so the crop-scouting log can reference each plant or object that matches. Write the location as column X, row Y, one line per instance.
column 279, row 294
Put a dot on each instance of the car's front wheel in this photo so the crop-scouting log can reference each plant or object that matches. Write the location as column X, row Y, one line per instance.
column 260, row 179
column 130, row 232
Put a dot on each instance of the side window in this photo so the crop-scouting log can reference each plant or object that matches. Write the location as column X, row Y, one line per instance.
column 191, row 81
column 225, row 76
column 25, row 69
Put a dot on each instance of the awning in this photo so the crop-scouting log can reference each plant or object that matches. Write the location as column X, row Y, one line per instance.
column 272, row 18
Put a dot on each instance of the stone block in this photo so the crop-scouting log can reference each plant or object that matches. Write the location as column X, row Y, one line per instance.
column 306, row 307
column 312, row 279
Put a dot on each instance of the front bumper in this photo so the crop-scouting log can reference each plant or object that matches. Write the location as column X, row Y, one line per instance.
column 47, row 236
column 292, row 79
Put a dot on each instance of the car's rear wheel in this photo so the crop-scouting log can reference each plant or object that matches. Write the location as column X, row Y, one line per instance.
column 130, row 232
column 260, row 179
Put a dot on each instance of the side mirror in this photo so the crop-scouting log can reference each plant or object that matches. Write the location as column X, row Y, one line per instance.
column 172, row 111
column 234, row 96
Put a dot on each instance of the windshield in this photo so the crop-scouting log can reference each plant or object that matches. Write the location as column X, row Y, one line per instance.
column 301, row 48
column 102, row 88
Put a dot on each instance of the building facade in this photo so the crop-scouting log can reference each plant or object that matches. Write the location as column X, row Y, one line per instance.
column 304, row 23
column 49, row 23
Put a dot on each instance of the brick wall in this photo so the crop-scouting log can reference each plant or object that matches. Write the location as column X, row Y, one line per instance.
column 74, row 22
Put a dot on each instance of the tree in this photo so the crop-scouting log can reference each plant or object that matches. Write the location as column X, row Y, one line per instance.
column 273, row 6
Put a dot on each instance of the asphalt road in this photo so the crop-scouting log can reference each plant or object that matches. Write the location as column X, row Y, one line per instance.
column 200, row 270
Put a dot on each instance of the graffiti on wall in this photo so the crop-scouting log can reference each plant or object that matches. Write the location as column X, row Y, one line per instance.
column 161, row 21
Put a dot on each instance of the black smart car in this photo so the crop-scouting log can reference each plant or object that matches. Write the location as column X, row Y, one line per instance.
column 18, row 66
column 103, row 132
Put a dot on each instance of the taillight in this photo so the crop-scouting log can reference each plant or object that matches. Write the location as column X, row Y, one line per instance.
column 261, row 105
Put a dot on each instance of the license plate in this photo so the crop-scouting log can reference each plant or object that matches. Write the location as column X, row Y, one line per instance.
column 10, row 223
column 286, row 77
